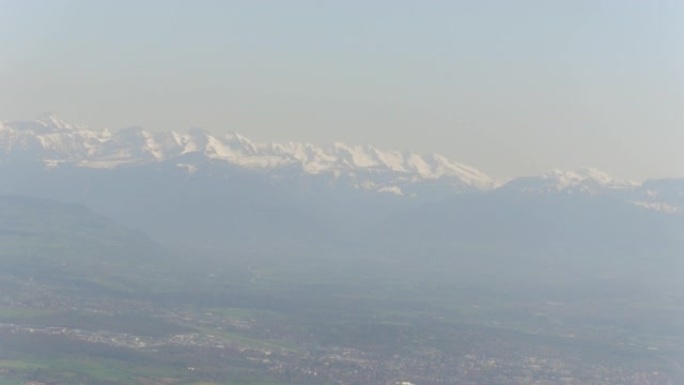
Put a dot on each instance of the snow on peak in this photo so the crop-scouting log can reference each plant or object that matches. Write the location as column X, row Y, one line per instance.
column 584, row 180
column 587, row 178
column 659, row 206
column 51, row 120
column 240, row 144
column 55, row 141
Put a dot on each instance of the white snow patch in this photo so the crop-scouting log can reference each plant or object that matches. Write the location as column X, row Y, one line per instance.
column 392, row 190
column 658, row 206
column 57, row 142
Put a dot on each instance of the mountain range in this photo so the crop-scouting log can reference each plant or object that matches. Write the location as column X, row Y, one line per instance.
column 227, row 194
column 56, row 143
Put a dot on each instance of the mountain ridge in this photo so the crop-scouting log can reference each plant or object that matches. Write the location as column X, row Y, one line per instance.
column 55, row 143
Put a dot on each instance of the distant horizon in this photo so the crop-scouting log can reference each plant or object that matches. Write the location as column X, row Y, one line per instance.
column 500, row 180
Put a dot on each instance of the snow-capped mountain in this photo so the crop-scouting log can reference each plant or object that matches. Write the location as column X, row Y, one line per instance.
column 229, row 192
column 659, row 195
column 585, row 180
column 55, row 143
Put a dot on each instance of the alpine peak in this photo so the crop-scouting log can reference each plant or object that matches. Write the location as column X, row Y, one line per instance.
column 56, row 142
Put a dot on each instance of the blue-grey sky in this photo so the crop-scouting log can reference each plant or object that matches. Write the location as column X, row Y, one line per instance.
column 510, row 87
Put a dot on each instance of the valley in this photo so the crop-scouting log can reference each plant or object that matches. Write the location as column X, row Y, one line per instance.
column 287, row 328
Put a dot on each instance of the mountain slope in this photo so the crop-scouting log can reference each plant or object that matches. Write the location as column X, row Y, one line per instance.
column 540, row 237
column 45, row 236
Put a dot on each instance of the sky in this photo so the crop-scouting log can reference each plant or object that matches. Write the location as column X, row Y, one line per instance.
column 510, row 87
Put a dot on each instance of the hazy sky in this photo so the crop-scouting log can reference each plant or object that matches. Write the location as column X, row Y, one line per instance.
column 511, row 87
